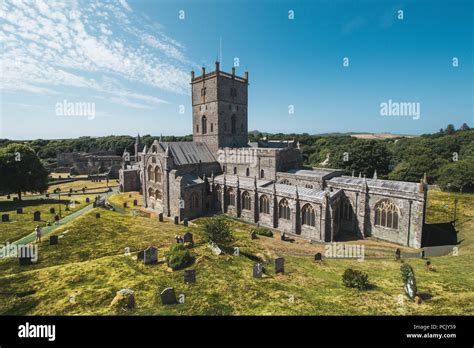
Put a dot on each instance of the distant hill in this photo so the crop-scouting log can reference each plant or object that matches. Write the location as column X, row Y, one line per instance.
column 360, row 135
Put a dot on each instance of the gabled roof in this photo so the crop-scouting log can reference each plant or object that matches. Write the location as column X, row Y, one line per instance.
column 377, row 183
column 188, row 152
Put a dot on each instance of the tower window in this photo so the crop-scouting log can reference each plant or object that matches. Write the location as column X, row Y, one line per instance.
column 262, row 174
column 235, row 170
column 233, row 92
column 203, row 91
column 233, row 124
column 197, row 128
column 204, row 125
column 247, row 172
column 212, row 127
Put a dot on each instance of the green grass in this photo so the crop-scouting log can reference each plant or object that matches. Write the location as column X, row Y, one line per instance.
column 89, row 262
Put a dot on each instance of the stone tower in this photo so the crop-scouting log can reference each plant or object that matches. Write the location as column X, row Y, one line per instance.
column 220, row 103
column 138, row 147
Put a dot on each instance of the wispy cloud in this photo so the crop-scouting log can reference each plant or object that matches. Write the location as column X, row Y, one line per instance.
column 97, row 47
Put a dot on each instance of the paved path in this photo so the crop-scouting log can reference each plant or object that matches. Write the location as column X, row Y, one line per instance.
column 48, row 229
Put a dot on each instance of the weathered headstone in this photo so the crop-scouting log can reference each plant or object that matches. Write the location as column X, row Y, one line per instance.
column 279, row 265
column 283, row 236
column 53, row 240
column 52, row 210
column 188, row 237
column 19, row 211
column 88, row 200
column 397, row 254
column 124, row 299
column 150, row 255
column 135, row 202
column 125, row 204
column 97, row 215
column 190, row 276
column 5, row 218
column 185, row 222
column 318, row 257
column 215, row 249
column 176, row 220
column 37, row 216
column 253, row 235
column 168, row 296
column 140, row 255
column 257, row 270
column 160, row 217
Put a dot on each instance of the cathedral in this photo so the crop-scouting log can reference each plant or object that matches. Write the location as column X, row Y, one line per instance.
column 265, row 183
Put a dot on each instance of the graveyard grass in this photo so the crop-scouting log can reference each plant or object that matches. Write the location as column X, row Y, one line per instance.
column 89, row 263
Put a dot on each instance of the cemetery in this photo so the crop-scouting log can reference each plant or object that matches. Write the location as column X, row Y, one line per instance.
column 84, row 259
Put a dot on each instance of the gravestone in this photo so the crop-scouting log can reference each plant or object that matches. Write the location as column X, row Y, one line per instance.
column 215, row 249
column 318, row 257
column 5, row 218
column 53, row 240
column 19, row 211
column 176, row 220
column 88, row 200
column 257, row 270
column 97, row 215
column 25, row 255
column 188, row 237
column 135, row 202
column 185, row 222
column 125, row 204
column 160, row 217
column 140, row 255
column 283, row 236
column 129, row 195
column 150, row 255
column 190, row 276
column 279, row 265
column 47, row 195
column 397, row 254
column 253, row 235
column 52, row 210
column 168, row 296
column 37, row 216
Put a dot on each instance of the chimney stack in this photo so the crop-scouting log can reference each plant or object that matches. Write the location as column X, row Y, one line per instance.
column 233, row 72
column 192, row 75
column 203, row 71
column 247, row 76
column 217, row 67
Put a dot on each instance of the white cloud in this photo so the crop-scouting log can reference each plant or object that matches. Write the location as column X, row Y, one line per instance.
column 48, row 46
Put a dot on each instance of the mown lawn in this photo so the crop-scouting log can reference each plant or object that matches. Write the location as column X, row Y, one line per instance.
column 89, row 264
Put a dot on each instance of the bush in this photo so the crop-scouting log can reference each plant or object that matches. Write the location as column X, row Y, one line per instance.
column 355, row 279
column 262, row 231
column 217, row 230
column 178, row 257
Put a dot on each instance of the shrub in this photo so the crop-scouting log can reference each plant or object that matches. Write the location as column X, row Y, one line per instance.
column 178, row 257
column 409, row 280
column 355, row 279
column 217, row 229
column 262, row 231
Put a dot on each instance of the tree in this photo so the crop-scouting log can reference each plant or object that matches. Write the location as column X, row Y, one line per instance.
column 21, row 170
column 464, row 127
column 217, row 230
column 458, row 175
column 450, row 129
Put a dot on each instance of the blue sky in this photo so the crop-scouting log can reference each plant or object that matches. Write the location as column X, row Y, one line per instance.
column 131, row 60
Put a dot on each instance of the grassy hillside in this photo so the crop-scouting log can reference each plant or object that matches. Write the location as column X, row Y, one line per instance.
column 89, row 264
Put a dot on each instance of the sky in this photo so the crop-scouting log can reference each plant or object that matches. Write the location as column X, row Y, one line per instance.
column 314, row 66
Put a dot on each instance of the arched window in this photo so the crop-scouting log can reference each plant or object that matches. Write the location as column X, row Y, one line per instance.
column 246, row 201
column 386, row 214
column 262, row 174
column 197, row 128
column 309, row 186
column 157, row 174
column 230, row 197
column 204, row 125
column 346, row 211
column 219, row 195
column 307, row 215
column 212, row 127
column 150, row 193
column 247, row 172
column 150, row 173
column 264, row 204
column 158, row 195
column 284, row 209
column 233, row 124
column 235, row 170
column 194, row 201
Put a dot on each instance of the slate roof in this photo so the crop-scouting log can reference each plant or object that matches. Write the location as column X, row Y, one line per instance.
column 189, row 152
column 190, row 180
column 377, row 183
column 244, row 181
column 316, row 173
